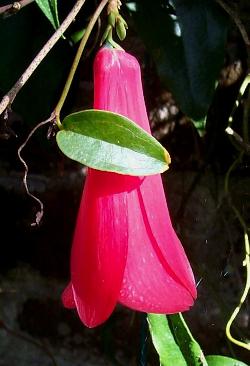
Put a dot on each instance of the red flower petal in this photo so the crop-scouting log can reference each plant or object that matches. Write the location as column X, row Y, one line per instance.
column 124, row 244
column 68, row 297
column 158, row 277
column 99, row 249
column 118, row 86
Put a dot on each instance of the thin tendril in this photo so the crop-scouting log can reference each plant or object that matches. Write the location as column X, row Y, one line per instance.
column 39, row 213
column 246, row 262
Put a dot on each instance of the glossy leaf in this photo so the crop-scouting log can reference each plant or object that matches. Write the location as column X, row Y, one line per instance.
column 187, row 44
column 111, row 142
column 188, row 345
column 223, row 361
column 164, row 342
column 49, row 8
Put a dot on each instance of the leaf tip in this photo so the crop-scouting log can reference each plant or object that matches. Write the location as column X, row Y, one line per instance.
column 167, row 157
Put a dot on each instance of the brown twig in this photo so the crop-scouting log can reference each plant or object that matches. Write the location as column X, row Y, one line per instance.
column 233, row 14
column 10, row 96
column 39, row 214
column 54, row 118
column 14, row 7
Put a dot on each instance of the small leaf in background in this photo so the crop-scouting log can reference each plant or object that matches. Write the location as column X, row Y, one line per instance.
column 111, row 142
column 164, row 342
column 187, row 43
column 223, row 361
column 200, row 125
column 77, row 36
column 188, row 345
column 49, row 8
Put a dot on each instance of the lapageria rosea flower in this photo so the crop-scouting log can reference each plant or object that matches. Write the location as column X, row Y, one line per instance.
column 124, row 247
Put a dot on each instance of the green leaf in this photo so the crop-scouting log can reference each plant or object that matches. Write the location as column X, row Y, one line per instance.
column 77, row 36
column 164, row 342
column 200, row 126
column 111, row 142
column 188, row 345
column 187, row 44
column 223, row 361
column 49, row 8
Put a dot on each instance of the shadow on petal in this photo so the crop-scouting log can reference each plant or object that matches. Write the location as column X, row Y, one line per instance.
column 151, row 282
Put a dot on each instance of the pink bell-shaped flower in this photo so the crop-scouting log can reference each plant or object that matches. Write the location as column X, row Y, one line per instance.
column 124, row 248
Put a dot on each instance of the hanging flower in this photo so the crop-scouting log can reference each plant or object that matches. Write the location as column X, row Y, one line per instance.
column 124, row 248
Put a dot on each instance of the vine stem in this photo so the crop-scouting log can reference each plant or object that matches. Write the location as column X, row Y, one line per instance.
column 241, row 92
column 12, row 93
column 55, row 115
column 39, row 214
column 246, row 262
column 77, row 58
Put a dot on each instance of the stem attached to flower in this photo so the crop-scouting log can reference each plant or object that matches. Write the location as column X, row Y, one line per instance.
column 76, row 61
column 115, row 21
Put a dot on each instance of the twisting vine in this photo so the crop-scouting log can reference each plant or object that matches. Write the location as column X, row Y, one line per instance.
column 243, row 144
column 76, row 61
column 55, row 115
column 39, row 214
